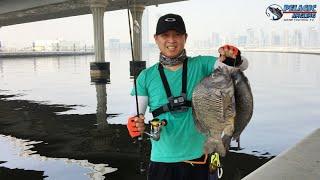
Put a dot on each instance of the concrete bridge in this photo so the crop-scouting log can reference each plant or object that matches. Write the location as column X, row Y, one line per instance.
column 24, row 11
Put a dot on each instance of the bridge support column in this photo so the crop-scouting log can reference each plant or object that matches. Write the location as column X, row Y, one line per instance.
column 138, row 65
column 99, row 70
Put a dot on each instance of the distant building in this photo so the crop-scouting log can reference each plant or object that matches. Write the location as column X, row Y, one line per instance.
column 285, row 38
column 242, row 41
column 215, row 40
column 55, row 45
column 125, row 46
column 114, row 44
column 264, row 39
column 202, row 44
column 312, row 39
column 251, row 38
column 297, row 38
column 45, row 45
column 275, row 39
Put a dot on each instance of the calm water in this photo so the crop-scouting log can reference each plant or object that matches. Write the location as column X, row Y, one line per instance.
column 285, row 88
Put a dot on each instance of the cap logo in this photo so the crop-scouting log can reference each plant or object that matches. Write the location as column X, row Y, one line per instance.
column 170, row 19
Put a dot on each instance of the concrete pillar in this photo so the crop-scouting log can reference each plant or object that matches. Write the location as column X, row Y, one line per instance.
column 136, row 67
column 100, row 72
column 99, row 69
column 136, row 13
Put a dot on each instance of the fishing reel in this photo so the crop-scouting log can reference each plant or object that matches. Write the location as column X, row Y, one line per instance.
column 155, row 128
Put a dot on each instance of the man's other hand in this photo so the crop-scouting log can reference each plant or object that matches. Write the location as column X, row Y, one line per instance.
column 230, row 55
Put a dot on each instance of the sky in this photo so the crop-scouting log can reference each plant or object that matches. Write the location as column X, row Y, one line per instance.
column 202, row 17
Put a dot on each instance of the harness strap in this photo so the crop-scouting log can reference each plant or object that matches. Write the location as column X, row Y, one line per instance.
column 166, row 108
column 164, row 80
column 184, row 77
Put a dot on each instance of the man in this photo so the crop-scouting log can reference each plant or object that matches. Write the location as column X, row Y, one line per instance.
column 176, row 154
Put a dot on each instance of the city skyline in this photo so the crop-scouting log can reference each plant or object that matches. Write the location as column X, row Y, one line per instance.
column 253, row 38
column 229, row 19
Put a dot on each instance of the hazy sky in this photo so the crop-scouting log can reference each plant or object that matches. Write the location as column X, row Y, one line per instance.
column 202, row 17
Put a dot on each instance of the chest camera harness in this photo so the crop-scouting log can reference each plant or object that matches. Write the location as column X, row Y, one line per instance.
column 178, row 103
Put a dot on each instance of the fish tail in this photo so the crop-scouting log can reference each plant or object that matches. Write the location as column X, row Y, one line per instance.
column 215, row 145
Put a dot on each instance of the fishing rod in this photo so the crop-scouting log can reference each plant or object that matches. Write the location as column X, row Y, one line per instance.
column 140, row 138
column 133, row 60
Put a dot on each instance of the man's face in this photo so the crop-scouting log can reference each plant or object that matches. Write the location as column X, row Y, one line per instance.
column 171, row 43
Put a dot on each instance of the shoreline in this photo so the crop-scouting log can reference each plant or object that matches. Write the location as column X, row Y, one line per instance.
column 43, row 54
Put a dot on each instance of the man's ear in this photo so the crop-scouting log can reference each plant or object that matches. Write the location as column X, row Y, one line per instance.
column 186, row 36
column 155, row 38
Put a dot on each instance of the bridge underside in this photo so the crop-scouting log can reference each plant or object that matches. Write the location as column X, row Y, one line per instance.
column 23, row 11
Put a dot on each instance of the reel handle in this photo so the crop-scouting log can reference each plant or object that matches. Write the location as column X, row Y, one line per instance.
column 164, row 122
column 156, row 125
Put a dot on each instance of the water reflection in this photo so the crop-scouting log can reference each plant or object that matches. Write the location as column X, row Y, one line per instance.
column 18, row 155
column 87, row 137
column 101, row 106
column 78, row 120
column 58, row 63
column 1, row 68
column 34, row 65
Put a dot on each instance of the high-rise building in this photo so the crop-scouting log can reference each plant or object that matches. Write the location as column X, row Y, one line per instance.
column 264, row 39
column 297, row 38
column 242, row 41
column 312, row 38
column 250, row 38
column 275, row 39
column 215, row 40
column 285, row 38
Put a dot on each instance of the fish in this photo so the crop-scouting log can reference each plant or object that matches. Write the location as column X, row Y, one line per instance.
column 244, row 102
column 222, row 105
column 213, row 108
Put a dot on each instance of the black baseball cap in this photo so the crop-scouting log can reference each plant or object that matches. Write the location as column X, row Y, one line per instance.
column 170, row 22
